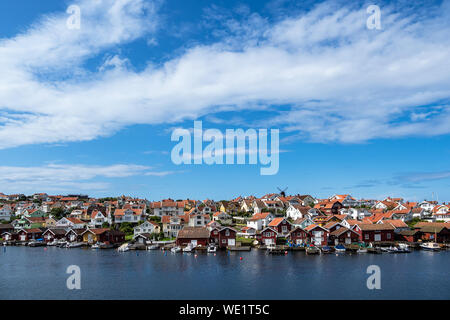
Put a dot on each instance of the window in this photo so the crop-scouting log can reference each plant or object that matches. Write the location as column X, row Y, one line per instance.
column 227, row 233
column 366, row 237
column 388, row 236
column 224, row 241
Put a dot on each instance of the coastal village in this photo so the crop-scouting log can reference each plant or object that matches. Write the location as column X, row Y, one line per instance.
column 275, row 221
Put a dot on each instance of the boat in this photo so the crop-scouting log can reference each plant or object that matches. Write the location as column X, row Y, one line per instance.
column 153, row 247
column 384, row 249
column 36, row 243
column 175, row 249
column 404, row 248
column 211, row 248
column 95, row 246
column 430, row 246
column 124, row 247
column 339, row 248
column 189, row 248
column 312, row 250
column 74, row 245
column 52, row 243
column 326, row 249
column 361, row 250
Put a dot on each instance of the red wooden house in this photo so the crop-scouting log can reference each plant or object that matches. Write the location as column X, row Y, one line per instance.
column 224, row 237
column 194, row 235
column 298, row 236
column 74, row 235
column 281, row 226
column 54, row 234
column 375, row 232
column 319, row 235
column 408, row 235
column 343, row 235
column 29, row 234
column 267, row 236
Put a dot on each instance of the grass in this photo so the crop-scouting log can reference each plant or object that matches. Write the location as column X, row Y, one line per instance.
column 244, row 241
column 128, row 237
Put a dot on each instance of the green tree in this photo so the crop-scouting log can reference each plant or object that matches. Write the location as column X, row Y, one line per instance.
column 57, row 213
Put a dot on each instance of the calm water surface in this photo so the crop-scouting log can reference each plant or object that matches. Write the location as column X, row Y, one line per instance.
column 36, row 273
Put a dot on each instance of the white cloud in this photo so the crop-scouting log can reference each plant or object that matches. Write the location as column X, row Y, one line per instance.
column 60, row 177
column 346, row 83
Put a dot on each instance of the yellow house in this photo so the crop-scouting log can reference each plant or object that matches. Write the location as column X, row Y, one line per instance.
column 49, row 222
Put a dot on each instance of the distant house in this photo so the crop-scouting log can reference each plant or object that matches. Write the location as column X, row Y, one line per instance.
column 298, row 236
column 5, row 213
column 128, row 215
column 247, row 232
column 194, row 235
column 296, row 211
column 260, row 220
column 173, row 224
column 167, row 207
column 98, row 218
column 73, row 223
column 7, row 227
column 409, row 235
column 147, row 227
column 222, row 217
column 375, row 232
column 302, row 222
column 442, row 212
column 199, row 220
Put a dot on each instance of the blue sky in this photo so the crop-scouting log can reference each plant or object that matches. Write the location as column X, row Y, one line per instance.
column 360, row 111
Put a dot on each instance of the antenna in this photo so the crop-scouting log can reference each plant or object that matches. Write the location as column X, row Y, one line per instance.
column 282, row 191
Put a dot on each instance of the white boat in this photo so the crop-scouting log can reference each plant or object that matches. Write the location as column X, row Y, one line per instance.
column 211, row 248
column 74, row 244
column 123, row 248
column 52, row 243
column 362, row 250
column 189, row 248
column 175, row 249
column 430, row 246
column 153, row 247
column 403, row 247
column 95, row 246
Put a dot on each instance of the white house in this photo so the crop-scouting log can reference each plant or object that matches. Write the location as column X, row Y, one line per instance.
column 146, row 227
column 128, row 215
column 356, row 213
column 427, row 205
column 98, row 218
column 260, row 220
column 296, row 211
column 346, row 199
column 222, row 217
column 5, row 213
column 198, row 220
column 167, row 208
column 72, row 223
column 442, row 212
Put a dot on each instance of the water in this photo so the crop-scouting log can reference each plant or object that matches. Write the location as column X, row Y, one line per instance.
column 38, row 273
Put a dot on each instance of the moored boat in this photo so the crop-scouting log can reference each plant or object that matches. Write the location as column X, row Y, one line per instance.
column 312, row 250
column 211, row 248
column 326, row 249
column 175, row 249
column 153, row 247
column 340, row 248
column 430, row 246
column 189, row 248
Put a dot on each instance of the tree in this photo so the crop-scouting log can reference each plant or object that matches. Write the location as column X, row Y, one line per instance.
column 57, row 213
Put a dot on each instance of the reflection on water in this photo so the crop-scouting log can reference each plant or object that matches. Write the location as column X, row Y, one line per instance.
column 39, row 273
